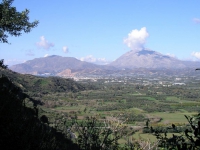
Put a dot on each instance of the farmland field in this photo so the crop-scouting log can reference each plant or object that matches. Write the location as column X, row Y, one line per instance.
column 133, row 104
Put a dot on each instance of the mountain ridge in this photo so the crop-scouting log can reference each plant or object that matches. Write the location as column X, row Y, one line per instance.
column 54, row 65
column 70, row 66
column 149, row 59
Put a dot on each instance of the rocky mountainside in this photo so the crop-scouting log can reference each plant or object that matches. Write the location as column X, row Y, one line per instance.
column 150, row 59
column 55, row 65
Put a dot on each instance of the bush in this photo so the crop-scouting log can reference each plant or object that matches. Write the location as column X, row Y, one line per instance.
column 189, row 139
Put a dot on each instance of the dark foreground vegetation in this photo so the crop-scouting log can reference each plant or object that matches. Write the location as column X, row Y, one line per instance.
column 20, row 126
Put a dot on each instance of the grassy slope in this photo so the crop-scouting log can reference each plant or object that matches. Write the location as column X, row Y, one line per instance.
column 41, row 84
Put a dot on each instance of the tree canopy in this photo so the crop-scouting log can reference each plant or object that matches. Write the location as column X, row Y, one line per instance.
column 13, row 22
column 2, row 64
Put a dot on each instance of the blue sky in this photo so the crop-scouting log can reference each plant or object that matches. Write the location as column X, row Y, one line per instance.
column 102, row 30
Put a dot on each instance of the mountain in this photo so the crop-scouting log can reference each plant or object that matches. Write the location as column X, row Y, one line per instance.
column 150, row 59
column 70, row 67
column 56, row 65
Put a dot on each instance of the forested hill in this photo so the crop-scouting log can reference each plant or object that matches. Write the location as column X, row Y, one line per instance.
column 42, row 84
column 23, row 127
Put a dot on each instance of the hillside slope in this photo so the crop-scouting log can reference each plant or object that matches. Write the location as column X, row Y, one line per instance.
column 41, row 84
column 22, row 127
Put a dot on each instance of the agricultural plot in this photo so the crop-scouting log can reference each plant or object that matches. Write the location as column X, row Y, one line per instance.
column 124, row 105
column 134, row 103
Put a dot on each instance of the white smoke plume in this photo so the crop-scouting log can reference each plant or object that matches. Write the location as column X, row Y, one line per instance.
column 136, row 39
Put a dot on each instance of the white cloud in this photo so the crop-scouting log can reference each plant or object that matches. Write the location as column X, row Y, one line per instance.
column 46, row 55
column 92, row 59
column 196, row 55
column 196, row 20
column 88, row 58
column 65, row 49
column 44, row 43
column 171, row 55
column 136, row 39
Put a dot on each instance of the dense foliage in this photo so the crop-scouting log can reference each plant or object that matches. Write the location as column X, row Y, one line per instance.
column 92, row 134
column 13, row 22
column 187, row 139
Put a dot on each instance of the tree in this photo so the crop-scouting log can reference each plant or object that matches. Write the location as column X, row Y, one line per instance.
column 13, row 22
column 2, row 64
